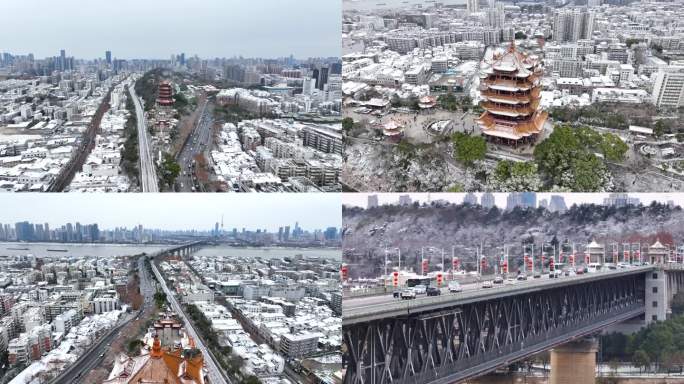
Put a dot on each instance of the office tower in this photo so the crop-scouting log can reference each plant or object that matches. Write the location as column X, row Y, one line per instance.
column 496, row 15
column 557, row 204
column 473, row 5
column 62, row 60
column 108, row 57
column 668, row 88
column 323, row 77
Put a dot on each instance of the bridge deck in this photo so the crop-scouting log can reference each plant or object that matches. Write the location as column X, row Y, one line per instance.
column 359, row 310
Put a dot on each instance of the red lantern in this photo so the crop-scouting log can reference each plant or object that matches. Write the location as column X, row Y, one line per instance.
column 439, row 279
column 551, row 264
column 587, row 258
column 395, row 278
column 425, row 266
column 483, row 264
column 504, row 267
column 572, row 259
column 345, row 272
column 455, row 263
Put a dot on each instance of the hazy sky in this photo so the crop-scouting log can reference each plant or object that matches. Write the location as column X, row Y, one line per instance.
column 158, row 28
column 361, row 199
column 175, row 210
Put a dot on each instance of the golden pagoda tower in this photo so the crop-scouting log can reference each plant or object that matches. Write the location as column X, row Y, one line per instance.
column 510, row 88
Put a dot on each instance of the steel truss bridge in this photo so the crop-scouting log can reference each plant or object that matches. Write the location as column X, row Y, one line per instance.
column 445, row 339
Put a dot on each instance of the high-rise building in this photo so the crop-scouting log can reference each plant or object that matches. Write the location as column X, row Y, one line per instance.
column 496, row 15
column 372, row 201
column 487, row 200
column 511, row 95
column 470, row 198
column 108, row 57
column 557, row 204
column 668, row 88
column 62, row 59
column 620, row 200
column 573, row 24
column 473, row 5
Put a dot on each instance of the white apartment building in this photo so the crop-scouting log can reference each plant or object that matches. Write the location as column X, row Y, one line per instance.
column 668, row 87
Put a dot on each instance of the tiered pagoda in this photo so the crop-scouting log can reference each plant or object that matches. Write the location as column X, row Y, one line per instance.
column 164, row 95
column 510, row 88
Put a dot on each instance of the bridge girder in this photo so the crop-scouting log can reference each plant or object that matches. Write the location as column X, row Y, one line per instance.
column 463, row 341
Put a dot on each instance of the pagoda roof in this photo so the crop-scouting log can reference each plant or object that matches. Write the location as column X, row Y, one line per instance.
column 657, row 245
column 513, row 60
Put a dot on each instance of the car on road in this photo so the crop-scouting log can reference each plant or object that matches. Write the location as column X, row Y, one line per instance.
column 408, row 294
column 487, row 284
column 455, row 286
column 510, row 281
column 555, row 274
column 522, row 276
column 537, row 275
column 420, row 289
column 396, row 293
column 433, row 291
column 498, row 280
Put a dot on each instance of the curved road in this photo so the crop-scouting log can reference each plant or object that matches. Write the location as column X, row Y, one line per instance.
column 148, row 174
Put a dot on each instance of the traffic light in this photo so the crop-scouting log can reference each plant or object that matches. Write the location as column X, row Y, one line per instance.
column 345, row 272
column 551, row 265
column 587, row 258
column 425, row 266
column 455, row 263
column 395, row 279
column 504, row 267
column 439, row 279
column 572, row 259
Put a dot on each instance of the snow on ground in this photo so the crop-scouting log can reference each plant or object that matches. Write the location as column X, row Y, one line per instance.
column 79, row 337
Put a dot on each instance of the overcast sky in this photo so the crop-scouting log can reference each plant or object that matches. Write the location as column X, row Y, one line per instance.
column 361, row 199
column 158, row 28
column 175, row 210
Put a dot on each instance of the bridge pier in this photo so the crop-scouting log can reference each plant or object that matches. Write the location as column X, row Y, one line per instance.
column 574, row 362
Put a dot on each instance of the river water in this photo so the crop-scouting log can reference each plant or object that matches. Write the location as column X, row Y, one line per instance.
column 76, row 250
column 269, row 252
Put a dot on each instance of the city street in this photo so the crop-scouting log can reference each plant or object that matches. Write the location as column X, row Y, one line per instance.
column 215, row 374
column 199, row 141
column 148, row 174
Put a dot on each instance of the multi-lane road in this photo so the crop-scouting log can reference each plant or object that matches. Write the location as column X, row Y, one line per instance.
column 148, row 174
column 382, row 305
column 216, row 375
column 198, row 142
